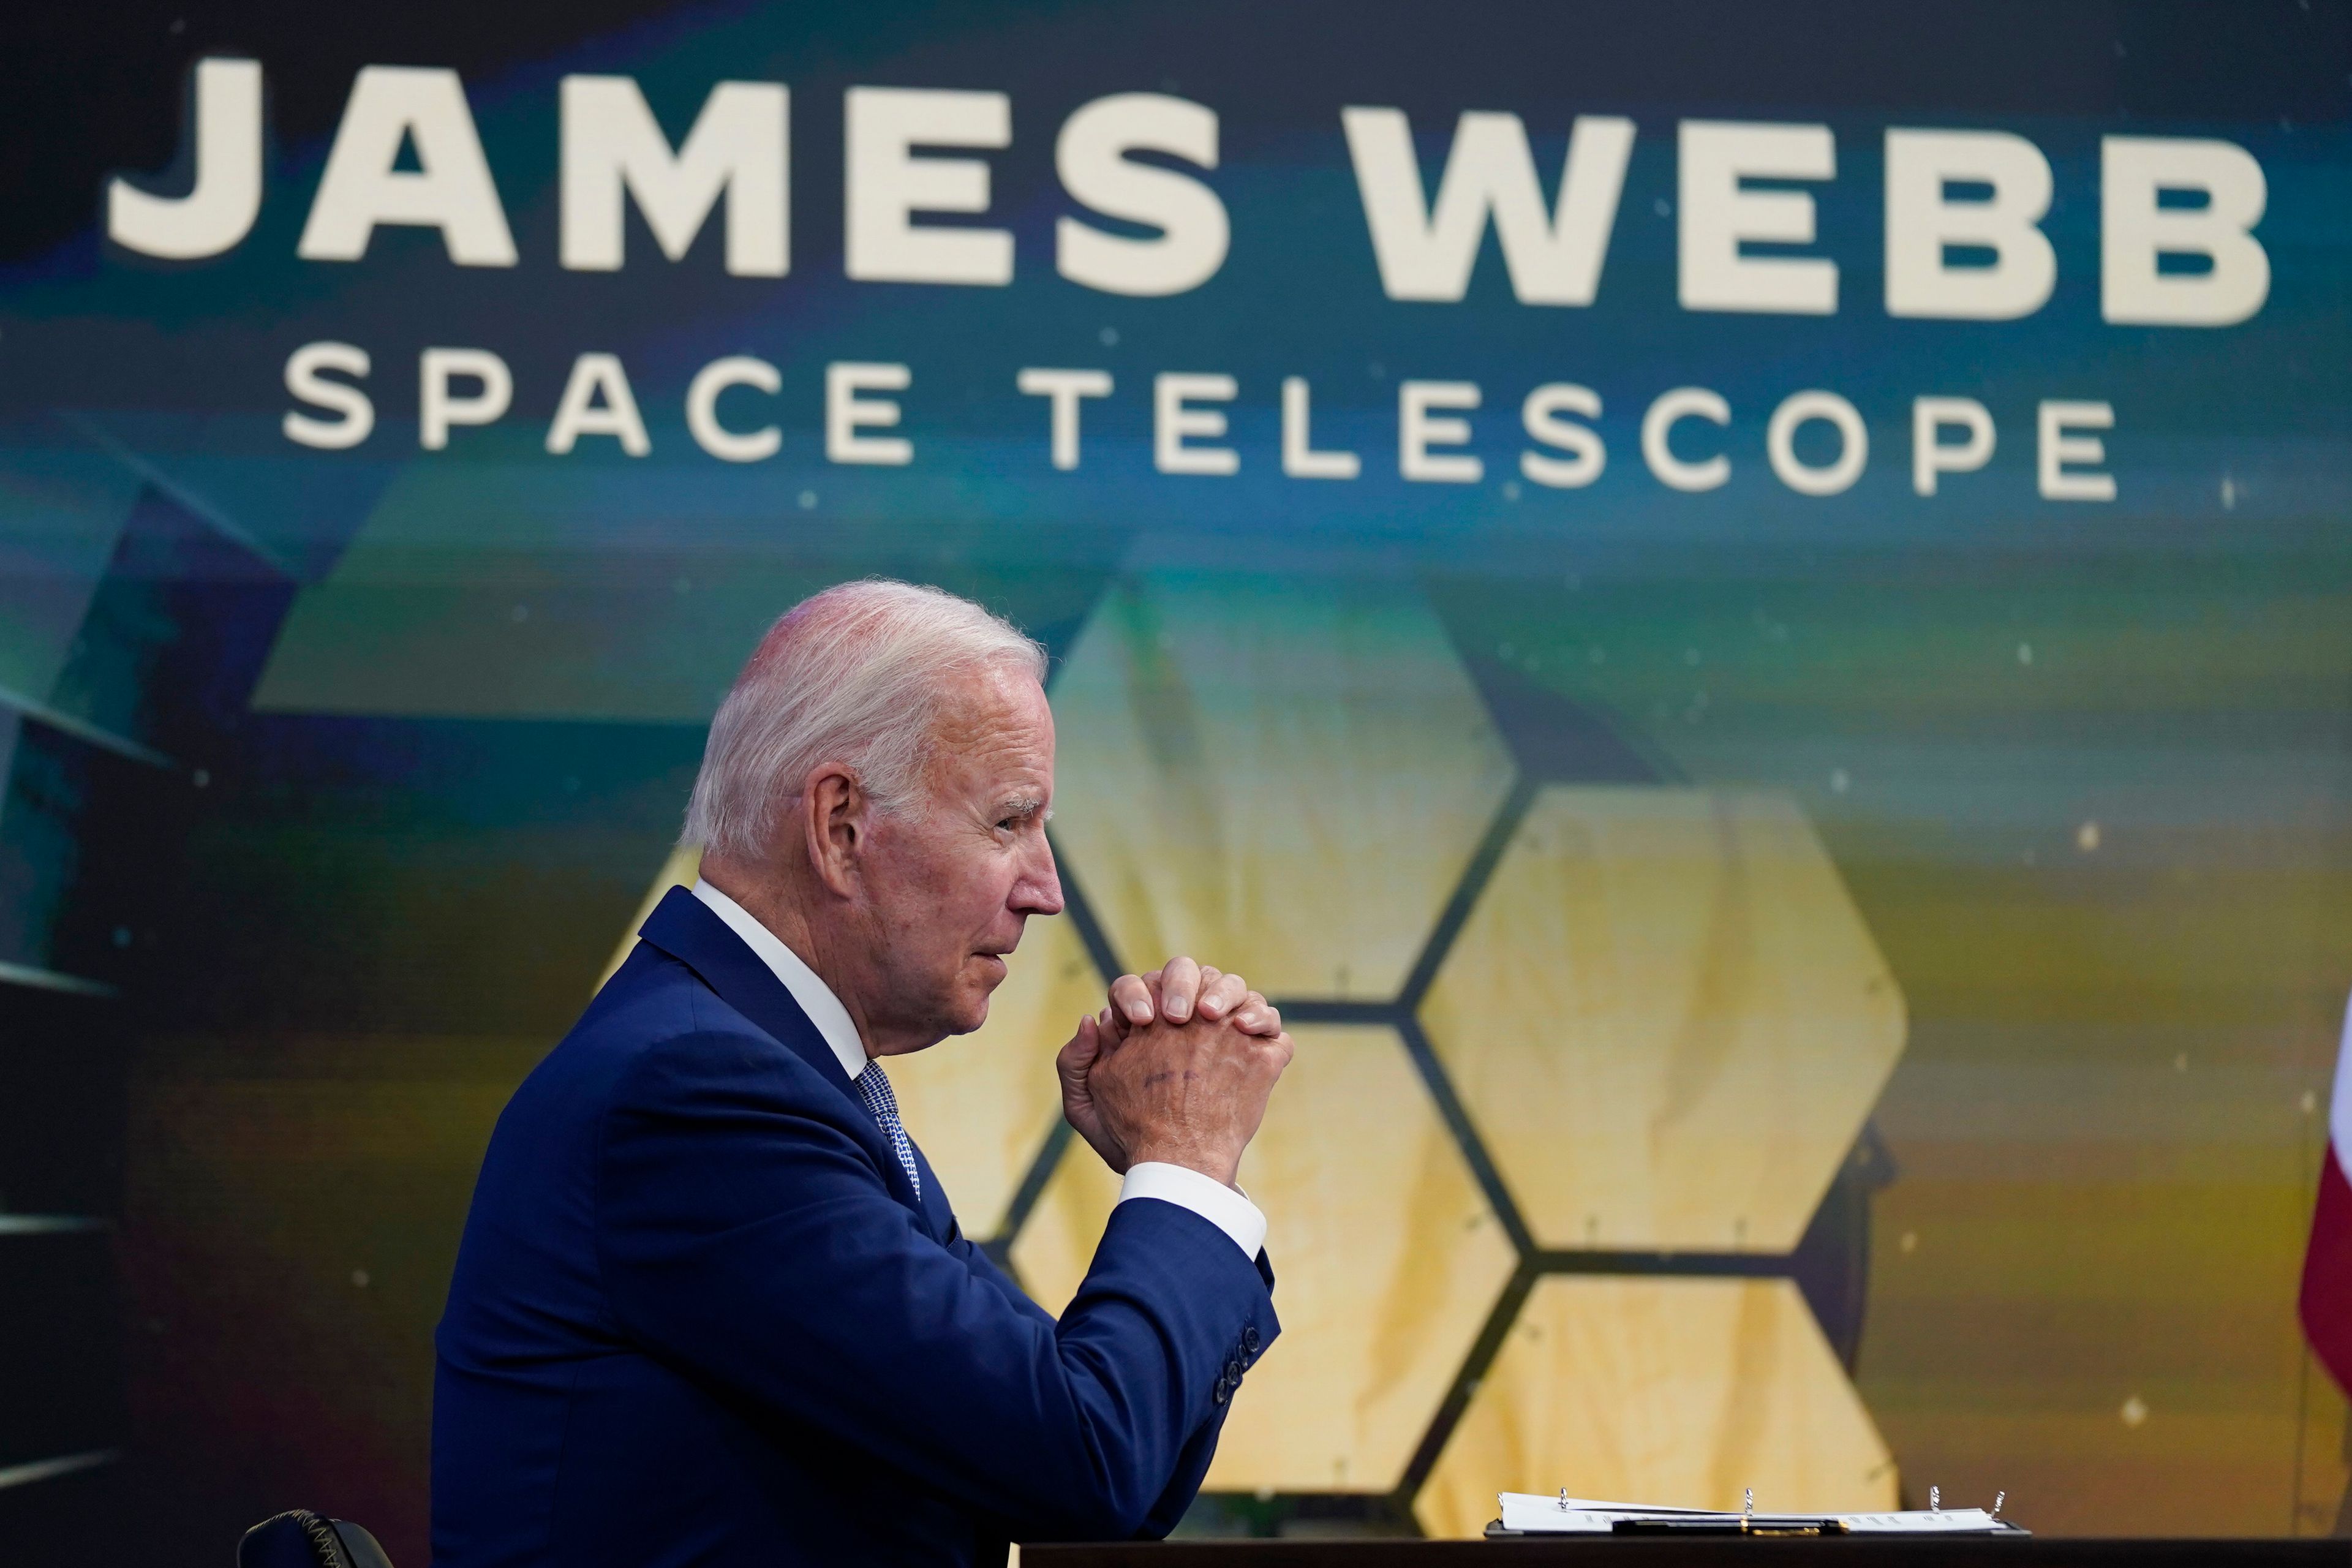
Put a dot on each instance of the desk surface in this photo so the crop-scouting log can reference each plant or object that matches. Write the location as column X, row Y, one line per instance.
column 2037, row 1551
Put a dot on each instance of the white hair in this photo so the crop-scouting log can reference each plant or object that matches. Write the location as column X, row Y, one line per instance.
column 857, row 675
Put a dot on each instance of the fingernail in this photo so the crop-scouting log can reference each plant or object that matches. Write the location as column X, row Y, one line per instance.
column 1141, row 1012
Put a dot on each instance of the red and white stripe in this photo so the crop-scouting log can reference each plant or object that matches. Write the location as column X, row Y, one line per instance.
column 2327, row 1300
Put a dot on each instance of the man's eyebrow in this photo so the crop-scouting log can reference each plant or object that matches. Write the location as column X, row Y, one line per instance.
column 1020, row 805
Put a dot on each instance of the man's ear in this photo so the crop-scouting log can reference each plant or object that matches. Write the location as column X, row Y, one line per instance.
column 835, row 815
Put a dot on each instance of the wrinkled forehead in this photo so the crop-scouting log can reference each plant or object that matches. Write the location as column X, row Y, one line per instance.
column 994, row 732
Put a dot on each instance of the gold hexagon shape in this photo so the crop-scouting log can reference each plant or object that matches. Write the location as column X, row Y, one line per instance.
column 1666, row 1019
column 1681, row 1392
column 980, row 1104
column 1281, row 777
column 1387, row 1261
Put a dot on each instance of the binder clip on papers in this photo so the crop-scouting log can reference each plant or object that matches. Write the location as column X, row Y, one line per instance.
column 1532, row 1513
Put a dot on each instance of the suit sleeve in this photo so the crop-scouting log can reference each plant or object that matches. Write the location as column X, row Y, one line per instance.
column 1193, row 1465
column 746, row 1232
column 976, row 1258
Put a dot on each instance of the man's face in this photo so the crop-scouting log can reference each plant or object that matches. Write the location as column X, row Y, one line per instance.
column 952, row 880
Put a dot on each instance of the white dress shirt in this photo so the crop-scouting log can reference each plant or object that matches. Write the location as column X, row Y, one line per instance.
column 1220, row 1205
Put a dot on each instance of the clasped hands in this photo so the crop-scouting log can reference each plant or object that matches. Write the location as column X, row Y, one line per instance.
column 1177, row 1068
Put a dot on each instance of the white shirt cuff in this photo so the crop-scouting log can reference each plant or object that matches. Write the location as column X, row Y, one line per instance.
column 1210, row 1198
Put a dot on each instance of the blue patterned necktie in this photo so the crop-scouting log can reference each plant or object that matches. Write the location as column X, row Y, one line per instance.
column 874, row 1089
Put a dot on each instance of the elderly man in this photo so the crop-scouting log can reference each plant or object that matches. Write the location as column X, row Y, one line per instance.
column 713, row 1306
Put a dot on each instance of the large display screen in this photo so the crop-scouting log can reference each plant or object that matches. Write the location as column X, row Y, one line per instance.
column 1745, row 612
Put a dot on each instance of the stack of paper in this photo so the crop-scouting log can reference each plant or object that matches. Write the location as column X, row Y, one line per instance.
column 1534, row 1514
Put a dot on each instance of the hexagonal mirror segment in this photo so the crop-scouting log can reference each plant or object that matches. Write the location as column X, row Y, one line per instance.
column 1387, row 1262
column 1284, row 777
column 1680, row 1392
column 1665, row 1020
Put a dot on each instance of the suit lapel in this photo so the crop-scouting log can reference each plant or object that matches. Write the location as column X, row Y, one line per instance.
column 690, row 932
column 937, row 1212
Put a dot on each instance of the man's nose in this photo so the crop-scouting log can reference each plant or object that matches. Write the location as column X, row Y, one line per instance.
column 1039, row 891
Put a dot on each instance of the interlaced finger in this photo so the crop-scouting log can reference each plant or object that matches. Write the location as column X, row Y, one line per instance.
column 1180, row 989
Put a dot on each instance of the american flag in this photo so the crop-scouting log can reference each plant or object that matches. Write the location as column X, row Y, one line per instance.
column 2326, row 1300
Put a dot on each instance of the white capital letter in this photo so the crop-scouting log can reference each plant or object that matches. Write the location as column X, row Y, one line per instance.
column 436, row 409
column 1781, row 443
column 1063, row 387
column 702, row 409
column 1424, row 254
column 220, row 207
column 887, row 185
column 1300, row 460
column 1171, row 421
column 1658, row 424
column 1540, row 414
column 1922, row 223
column 1416, row 430
column 1930, row 456
column 737, row 145
column 846, row 414
column 1091, row 158
column 303, row 380
column 2059, row 446
column 580, row 412
column 1717, row 215
column 451, row 191
column 2134, row 232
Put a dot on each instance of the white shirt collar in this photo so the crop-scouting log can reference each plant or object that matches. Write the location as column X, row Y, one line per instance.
column 815, row 998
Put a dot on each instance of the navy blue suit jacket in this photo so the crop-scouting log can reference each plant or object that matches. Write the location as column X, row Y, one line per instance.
column 699, row 1316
